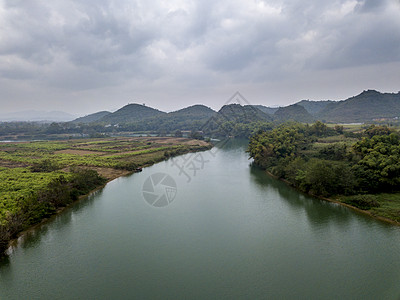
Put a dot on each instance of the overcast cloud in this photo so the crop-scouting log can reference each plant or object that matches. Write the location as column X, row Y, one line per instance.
column 85, row 56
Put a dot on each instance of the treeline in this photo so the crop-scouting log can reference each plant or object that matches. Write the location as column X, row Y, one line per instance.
column 23, row 130
column 210, row 128
column 59, row 193
column 370, row 165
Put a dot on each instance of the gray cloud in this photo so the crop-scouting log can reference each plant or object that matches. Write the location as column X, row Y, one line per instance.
column 175, row 49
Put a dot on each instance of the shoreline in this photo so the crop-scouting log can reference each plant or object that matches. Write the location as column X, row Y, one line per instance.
column 364, row 212
column 16, row 240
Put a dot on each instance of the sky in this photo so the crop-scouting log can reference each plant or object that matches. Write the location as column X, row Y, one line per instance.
column 90, row 55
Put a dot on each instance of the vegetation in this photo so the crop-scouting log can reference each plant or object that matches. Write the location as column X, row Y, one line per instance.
column 230, row 120
column 293, row 112
column 368, row 106
column 38, row 178
column 130, row 113
column 314, row 107
column 92, row 117
column 29, row 207
column 321, row 160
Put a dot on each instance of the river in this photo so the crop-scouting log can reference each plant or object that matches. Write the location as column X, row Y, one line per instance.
column 222, row 230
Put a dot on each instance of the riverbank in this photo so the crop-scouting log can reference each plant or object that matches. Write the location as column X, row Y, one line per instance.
column 29, row 180
column 360, row 169
column 338, row 201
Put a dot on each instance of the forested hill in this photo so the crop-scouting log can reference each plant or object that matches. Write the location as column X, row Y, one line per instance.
column 293, row 112
column 187, row 119
column 266, row 109
column 131, row 113
column 314, row 107
column 196, row 111
column 365, row 107
column 243, row 114
column 92, row 117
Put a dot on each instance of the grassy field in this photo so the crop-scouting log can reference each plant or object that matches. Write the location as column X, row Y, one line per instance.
column 384, row 205
column 28, row 167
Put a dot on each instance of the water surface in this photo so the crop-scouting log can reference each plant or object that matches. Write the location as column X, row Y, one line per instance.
column 231, row 232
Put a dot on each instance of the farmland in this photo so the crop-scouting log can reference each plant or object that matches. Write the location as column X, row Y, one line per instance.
column 37, row 178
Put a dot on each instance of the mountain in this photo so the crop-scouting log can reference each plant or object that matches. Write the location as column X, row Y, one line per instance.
column 92, row 117
column 266, row 109
column 367, row 106
column 189, row 118
column 242, row 114
column 234, row 120
column 131, row 113
column 314, row 107
column 294, row 112
column 196, row 111
column 36, row 116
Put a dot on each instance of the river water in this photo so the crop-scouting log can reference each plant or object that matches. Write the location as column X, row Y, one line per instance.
column 229, row 232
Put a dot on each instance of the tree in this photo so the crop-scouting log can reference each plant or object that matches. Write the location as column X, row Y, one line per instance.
column 178, row 133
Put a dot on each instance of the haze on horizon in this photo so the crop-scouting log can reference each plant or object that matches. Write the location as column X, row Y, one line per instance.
column 86, row 56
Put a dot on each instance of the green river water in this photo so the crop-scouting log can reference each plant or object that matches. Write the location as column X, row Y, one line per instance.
column 229, row 232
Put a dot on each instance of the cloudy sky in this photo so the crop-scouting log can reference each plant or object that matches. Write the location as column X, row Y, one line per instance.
column 90, row 55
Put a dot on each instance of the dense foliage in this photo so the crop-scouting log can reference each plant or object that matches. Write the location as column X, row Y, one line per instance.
column 32, row 207
column 365, row 107
column 305, row 156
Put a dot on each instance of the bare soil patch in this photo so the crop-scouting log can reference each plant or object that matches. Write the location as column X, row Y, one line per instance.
column 110, row 173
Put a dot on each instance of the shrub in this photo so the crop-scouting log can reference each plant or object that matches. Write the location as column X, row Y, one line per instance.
column 364, row 202
column 325, row 178
column 45, row 165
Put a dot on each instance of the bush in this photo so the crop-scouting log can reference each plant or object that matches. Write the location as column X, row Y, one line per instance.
column 336, row 151
column 326, row 178
column 129, row 166
column 45, row 165
column 364, row 202
column 58, row 193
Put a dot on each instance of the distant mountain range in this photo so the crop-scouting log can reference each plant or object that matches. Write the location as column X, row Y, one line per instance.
column 365, row 107
column 294, row 112
column 37, row 116
column 368, row 106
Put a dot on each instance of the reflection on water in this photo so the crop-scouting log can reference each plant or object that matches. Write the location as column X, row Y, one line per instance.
column 30, row 238
column 233, row 232
column 319, row 212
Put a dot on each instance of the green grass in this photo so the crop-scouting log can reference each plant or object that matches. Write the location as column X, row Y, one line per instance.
column 18, row 181
column 389, row 205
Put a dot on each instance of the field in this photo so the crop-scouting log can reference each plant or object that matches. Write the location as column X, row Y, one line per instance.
column 28, row 167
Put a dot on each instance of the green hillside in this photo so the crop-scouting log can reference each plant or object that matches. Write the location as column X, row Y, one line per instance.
column 236, row 120
column 314, row 107
column 131, row 113
column 92, row 117
column 266, row 109
column 196, row 111
column 189, row 118
column 365, row 107
column 293, row 112
column 242, row 114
